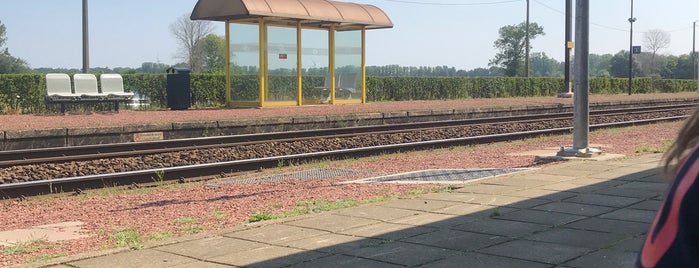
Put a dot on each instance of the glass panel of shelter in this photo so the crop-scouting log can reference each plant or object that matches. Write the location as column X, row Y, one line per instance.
column 244, row 62
column 281, row 83
column 282, row 59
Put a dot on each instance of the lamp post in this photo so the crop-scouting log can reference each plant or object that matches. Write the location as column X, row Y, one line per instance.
column 631, row 21
column 526, row 45
column 86, row 41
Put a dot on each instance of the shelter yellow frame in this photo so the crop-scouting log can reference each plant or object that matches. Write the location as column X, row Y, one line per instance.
column 299, row 14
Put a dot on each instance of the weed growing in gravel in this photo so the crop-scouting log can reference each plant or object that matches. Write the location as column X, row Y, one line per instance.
column 495, row 212
column 185, row 220
column 218, row 215
column 160, row 236
column 652, row 148
column 28, row 247
column 194, row 229
column 128, row 237
column 159, row 177
column 280, row 163
column 262, row 216
column 304, row 207
column 377, row 199
column 45, row 257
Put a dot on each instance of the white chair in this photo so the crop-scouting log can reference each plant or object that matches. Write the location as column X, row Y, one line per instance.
column 86, row 86
column 58, row 87
column 113, row 86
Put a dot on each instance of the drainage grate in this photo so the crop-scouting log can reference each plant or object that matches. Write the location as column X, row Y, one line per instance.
column 312, row 174
column 441, row 176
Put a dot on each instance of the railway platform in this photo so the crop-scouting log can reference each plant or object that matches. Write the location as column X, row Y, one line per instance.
column 574, row 214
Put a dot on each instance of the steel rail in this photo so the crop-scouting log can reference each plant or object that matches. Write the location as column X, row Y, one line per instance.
column 90, row 152
column 13, row 190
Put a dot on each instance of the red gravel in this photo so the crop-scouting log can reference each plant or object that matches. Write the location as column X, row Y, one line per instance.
column 155, row 210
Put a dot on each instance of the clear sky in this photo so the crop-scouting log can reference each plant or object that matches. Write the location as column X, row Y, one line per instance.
column 459, row 33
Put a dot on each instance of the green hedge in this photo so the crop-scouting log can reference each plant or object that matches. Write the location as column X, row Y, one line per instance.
column 25, row 93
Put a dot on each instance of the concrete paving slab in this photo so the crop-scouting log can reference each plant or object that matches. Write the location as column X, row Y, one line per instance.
column 210, row 247
column 605, row 259
column 603, row 200
column 146, row 258
column 633, row 244
column 518, row 182
column 578, row 238
column 568, row 186
column 484, row 188
column 477, row 260
column 627, row 193
column 420, row 204
column 574, row 208
column 543, row 194
column 376, row 212
column 596, row 182
column 388, row 231
column 432, row 220
column 652, row 205
column 536, row 251
column 201, row 264
column 331, row 223
column 467, row 209
column 506, row 228
column 541, row 217
column 407, row 254
column 50, row 232
column 270, row 256
column 544, row 177
column 333, row 243
column 645, row 186
column 629, row 214
column 275, row 233
column 343, row 261
column 456, row 240
column 610, row 226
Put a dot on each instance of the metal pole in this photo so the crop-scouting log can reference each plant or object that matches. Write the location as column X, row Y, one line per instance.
column 694, row 51
column 86, row 40
column 631, row 21
column 568, row 43
column 581, row 122
column 526, row 49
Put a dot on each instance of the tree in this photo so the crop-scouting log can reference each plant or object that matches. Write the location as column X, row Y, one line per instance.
column 214, row 53
column 543, row 66
column 8, row 63
column 619, row 65
column 655, row 40
column 512, row 47
column 189, row 33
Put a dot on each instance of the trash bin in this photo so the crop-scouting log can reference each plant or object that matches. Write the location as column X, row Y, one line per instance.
column 179, row 93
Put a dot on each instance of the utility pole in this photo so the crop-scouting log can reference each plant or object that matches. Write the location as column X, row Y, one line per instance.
column 526, row 48
column 567, row 93
column 581, row 117
column 86, row 40
column 694, row 50
column 631, row 21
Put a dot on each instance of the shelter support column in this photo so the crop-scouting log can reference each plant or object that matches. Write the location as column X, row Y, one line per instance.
column 263, row 61
column 331, row 61
column 299, row 66
column 363, row 82
column 228, row 65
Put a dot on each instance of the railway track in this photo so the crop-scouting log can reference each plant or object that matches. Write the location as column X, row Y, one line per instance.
column 397, row 137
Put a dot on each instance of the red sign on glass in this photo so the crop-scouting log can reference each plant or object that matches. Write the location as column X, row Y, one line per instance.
column 282, row 56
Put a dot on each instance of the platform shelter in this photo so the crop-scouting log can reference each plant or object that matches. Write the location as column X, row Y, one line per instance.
column 294, row 52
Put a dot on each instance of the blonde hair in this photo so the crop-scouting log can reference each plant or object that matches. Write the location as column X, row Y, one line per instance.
column 686, row 140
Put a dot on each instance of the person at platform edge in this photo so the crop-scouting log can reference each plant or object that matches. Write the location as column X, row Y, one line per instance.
column 673, row 238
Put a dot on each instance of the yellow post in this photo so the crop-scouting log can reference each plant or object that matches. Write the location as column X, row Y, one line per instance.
column 363, row 64
column 299, row 65
column 228, row 65
column 263, row 61
column 331, row 63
